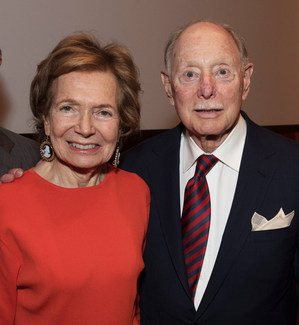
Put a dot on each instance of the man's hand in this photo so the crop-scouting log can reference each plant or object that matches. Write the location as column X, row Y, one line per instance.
column 12, row 175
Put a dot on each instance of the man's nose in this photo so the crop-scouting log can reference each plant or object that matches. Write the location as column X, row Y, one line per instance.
column 207, row 87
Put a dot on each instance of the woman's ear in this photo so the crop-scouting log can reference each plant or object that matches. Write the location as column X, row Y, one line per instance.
column 46, row 125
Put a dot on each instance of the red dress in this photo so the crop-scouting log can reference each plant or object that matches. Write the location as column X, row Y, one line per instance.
column 72, row 256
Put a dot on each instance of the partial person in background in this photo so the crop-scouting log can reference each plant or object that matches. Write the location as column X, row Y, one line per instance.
column 222, row 251
column 16, row 150
column 71, row 248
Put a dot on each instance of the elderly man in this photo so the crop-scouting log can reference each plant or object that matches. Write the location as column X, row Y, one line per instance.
column 223, row 227
column 16, row 150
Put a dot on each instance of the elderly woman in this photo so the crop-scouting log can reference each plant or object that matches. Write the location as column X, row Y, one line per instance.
column 71, row 249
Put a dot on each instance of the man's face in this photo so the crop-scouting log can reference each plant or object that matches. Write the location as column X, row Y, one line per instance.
column 207, row 82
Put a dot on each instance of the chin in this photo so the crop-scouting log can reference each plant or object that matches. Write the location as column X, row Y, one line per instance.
column 85, row 165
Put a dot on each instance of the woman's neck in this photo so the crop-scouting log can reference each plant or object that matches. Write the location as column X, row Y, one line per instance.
column 63, row 175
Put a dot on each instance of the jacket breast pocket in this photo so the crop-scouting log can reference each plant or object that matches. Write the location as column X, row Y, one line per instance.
column 270, row 253
column 271, row 235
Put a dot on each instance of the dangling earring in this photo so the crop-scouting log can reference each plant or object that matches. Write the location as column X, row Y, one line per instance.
column 116, row 156
column 46, row 150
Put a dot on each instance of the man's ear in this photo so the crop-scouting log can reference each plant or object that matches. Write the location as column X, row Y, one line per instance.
column 246, row 82
column 167, row 86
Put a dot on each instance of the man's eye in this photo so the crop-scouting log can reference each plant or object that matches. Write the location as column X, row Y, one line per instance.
column 223, row 71
column 190, row 74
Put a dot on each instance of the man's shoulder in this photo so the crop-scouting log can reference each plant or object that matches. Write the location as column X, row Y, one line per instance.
column 17, row 139
column 264, row 139
column 269, row 138
column 151, row 148
column 17, row 151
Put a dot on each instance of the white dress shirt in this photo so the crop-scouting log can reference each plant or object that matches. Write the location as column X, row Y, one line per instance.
column 222, row 181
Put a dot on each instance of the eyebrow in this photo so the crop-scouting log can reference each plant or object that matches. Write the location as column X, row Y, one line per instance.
column 218, row 61
column 74, row 102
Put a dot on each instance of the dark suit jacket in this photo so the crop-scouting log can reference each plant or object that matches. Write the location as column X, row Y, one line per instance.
column 253, row 280
column 17, row 151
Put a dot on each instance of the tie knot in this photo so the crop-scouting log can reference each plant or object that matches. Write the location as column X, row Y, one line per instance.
column 204, row 164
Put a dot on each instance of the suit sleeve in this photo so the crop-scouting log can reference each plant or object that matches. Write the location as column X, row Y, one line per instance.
column 296, row 269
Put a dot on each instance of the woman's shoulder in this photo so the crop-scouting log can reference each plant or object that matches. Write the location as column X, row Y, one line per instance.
column 130, row 182
column 16, row 198
column 25, row 184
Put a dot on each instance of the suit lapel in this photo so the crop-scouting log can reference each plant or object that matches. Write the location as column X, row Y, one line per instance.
column 164, row 175
column 5, row 142
column 255, row 175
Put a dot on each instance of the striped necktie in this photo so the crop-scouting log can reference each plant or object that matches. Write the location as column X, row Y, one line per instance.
column 196, row 219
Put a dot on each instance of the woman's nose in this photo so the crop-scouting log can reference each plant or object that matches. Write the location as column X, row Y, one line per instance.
column 85, row 126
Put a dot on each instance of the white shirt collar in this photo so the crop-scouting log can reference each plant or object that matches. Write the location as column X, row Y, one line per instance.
column 229, row 152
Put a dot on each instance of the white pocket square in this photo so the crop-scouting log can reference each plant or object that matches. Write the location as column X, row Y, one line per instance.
column 281, row 220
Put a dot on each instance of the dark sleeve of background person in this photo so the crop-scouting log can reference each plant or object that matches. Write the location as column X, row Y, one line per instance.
column 17, row 151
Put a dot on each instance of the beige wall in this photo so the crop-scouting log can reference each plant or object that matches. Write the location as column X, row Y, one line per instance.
column 29, row 29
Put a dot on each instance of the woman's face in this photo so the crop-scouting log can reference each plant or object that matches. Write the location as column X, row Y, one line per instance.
column 83, row 121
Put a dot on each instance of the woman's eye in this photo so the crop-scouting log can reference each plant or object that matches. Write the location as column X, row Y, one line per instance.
column 105, row 113
column 65, row 108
